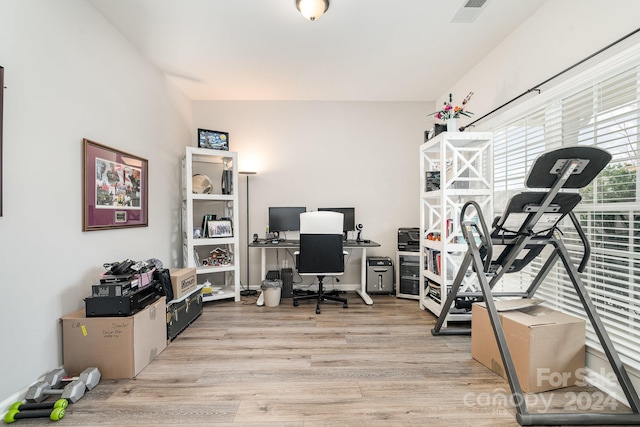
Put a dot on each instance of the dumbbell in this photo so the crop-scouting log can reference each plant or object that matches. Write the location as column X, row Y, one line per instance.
column 40, row 390
column 21, row 406
column 90, row 377
column 54, row 414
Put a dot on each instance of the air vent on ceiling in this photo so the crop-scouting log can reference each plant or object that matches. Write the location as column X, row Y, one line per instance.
column 475, row 3
column 469, row 11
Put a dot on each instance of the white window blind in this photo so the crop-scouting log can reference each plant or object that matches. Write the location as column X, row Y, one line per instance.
column 603, row 110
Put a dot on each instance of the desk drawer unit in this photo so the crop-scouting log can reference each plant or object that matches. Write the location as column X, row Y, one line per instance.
column 181, row 313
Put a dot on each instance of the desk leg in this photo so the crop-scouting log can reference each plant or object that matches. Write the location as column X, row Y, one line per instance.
column 363, row 279
column 263, row 264
column 263, row 275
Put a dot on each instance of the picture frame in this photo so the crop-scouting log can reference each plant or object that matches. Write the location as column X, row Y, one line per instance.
column 115, row 188
column 213, row 139
column 219, row 228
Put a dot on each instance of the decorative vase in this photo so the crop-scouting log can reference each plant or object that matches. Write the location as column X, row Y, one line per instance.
column 451, row 125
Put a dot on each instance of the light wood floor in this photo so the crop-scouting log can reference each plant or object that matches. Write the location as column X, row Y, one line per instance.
column 243, row 365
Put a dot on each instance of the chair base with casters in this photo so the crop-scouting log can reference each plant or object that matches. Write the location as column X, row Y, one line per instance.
column 321, row 296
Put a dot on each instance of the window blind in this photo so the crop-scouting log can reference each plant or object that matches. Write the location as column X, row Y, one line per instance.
column 602, row 110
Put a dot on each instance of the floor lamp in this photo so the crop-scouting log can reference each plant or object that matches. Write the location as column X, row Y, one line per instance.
column 248, row 291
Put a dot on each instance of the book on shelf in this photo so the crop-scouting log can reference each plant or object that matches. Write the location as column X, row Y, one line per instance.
column 433, row 261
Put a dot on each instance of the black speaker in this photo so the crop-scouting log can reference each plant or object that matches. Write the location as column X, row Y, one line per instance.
column 227, row 182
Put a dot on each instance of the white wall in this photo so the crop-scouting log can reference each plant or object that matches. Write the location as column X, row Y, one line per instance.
column 558, row 35
column 69, row 75
column 325, row 154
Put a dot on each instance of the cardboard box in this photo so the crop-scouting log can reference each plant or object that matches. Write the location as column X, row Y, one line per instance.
column 183, row 281
column 547, row 346
column 119, row 346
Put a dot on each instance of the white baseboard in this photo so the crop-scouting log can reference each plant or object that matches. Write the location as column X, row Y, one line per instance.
column 599, row 374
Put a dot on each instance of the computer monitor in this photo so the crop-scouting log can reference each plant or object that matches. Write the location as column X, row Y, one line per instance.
column 349, row 220
column 285, row 218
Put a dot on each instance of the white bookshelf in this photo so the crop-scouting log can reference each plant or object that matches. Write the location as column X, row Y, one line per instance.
column 464, row 163
column 224, row 277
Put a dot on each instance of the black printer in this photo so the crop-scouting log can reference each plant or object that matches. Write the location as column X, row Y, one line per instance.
column 409, row 239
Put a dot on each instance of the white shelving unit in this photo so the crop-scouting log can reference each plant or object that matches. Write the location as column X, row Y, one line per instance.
column 224, row 278
column 464, row 162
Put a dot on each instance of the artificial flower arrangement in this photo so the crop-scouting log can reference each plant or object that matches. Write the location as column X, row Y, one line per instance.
column 451, row 112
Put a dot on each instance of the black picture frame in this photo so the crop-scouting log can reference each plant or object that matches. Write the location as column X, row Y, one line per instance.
column 213, row 139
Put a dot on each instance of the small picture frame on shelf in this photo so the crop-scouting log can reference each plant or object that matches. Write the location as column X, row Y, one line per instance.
column 219, row 228
column 213, row 139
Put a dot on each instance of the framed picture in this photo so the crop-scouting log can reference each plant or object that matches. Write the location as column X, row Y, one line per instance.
column 213, row 139
column 115, row 188
column 219, row 228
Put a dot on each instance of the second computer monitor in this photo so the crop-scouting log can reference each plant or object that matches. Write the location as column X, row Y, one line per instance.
column 349, row 222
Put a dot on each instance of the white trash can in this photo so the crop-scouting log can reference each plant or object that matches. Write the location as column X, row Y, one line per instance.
column 272, row 290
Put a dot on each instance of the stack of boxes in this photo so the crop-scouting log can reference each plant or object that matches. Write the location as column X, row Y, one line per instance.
column 121, row 346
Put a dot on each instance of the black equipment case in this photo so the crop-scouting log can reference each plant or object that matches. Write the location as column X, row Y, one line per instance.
column 181, row 313
column 125, row 305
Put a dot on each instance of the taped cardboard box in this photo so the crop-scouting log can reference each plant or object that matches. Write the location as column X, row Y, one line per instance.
column 119, row 346
column 547, row 346
column 183, row 281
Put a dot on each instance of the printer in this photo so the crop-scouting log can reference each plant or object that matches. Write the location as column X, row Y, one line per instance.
column 409, row 239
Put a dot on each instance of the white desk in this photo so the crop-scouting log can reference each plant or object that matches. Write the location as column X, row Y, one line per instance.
column 361, row 288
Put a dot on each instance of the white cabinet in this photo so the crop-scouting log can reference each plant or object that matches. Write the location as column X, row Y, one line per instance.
column 455, row 167
column 216, row 259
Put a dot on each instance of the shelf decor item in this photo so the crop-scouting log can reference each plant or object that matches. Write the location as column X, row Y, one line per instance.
column 201, row 184
column 450, row 112
column 213, row 139
column 115, row 188
column 219, row 228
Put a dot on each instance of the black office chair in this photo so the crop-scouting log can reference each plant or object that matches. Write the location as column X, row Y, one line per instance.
column 321, row 253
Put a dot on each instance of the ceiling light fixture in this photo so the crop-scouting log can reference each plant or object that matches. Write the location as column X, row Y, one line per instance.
column 312, row 9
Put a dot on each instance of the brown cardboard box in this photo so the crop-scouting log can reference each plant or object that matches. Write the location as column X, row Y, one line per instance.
column 183, row 281
column 547, row 346
column 119, row 346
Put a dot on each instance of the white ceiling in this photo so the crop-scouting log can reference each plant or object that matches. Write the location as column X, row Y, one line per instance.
column 360, row 50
